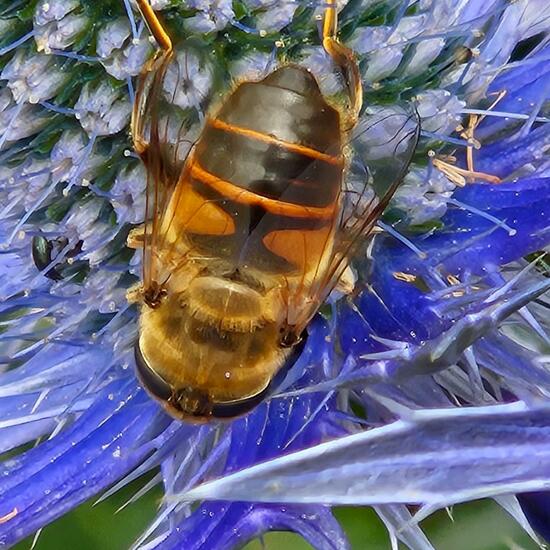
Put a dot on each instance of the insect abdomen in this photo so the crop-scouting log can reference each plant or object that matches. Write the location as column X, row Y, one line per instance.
column 270, row 164
column 277, row 138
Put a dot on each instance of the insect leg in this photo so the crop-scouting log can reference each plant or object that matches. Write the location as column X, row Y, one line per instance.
column 461, row 176
column 155, row 26
column 343, row 57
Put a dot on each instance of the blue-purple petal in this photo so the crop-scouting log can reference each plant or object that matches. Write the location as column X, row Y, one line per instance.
column 393, row 308
column 525, row 85
column 100, row 447
column 503, row 158
column 471, row 243
column 223, row 526
column 536, row 507
column 419, row 459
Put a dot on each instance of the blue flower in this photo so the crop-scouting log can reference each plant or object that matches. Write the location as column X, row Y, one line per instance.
column 427, row 385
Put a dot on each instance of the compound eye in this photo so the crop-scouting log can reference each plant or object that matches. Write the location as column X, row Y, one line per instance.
column 151, row 381
column 233, row 409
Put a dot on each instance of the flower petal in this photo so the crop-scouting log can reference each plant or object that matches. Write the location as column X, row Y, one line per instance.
column 471, row 242
column 102, row 445
column 537, row 508
column 220, row 526
column 432, row 457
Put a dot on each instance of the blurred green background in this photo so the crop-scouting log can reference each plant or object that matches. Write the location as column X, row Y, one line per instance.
column 476, row 526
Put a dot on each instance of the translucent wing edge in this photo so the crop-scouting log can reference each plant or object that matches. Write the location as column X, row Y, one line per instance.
column 161, row 181
column 349, row 239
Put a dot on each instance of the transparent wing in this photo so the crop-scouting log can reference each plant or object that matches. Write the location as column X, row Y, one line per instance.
column 382, row 146
column 163, row 130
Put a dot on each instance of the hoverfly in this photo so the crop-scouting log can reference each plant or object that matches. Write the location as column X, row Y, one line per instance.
column 247, row 236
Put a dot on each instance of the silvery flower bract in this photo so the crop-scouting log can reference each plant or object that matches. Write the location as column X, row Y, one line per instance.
column 428, row 385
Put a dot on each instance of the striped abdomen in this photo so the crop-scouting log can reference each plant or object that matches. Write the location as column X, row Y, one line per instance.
column 263, row 183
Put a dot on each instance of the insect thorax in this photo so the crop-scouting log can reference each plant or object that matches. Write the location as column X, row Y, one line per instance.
column 217, row 335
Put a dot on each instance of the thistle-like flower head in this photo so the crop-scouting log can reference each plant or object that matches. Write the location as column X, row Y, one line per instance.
column 427, row 385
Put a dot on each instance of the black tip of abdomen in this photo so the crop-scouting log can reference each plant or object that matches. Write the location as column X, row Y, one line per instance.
column 294, row 78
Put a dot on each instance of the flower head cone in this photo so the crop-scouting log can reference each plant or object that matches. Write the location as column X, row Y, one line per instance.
column 426, row 385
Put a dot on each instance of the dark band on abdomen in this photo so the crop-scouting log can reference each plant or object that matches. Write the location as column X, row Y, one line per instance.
column 276, row 142
column 272, row 140
column 241, row 195
column 271, row 159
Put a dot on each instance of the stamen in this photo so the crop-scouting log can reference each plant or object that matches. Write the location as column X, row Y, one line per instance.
column 47, row 414
column 75, row 320
column 58, row 108
column 131, row 91
column 81, row 163
column 131, row 18
column 247, row 29
column 402, row 239
column 532, row 118
column 461, row 176
column 504, row 114
column 469, row 131
column 30, row 212
column 444, row 138
column 482, row 214
column 16, row 43
column 77, row 56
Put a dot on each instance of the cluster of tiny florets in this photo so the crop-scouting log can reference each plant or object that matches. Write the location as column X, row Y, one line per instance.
column 71, row 182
